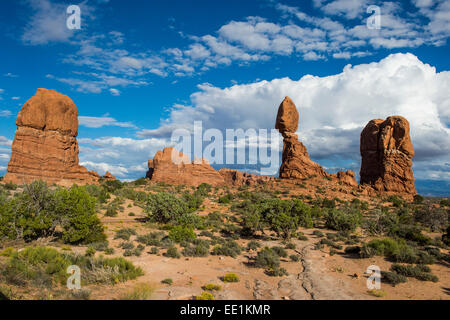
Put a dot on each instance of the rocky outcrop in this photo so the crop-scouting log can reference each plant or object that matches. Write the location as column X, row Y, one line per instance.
column 45, row 145
column 108, row 176
column 173, row 167
column 296, row 163
column 238, row 178
column 387, row 152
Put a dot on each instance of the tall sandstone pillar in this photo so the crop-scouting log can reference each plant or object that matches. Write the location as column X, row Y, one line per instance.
column 387, row 152
column 45, row 145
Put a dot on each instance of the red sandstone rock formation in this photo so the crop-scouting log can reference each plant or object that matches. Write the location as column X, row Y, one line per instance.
column 45, row 145
column 387, row 152
column 238, row 178
column 108, row 176
column 296, row 163
column 173, row 167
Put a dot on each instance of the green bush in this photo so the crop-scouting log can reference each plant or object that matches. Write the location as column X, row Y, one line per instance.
column 392, row 278
column 280, row 251
column 434, row 218
column 172, row 252
column 205, row 296
column 418, row 199
column 167, row 281
column 253, row 245
column 267, row 258
column 420, row 272
column 201, row 249
column 343, row 220
column 294, row 257
column 229, row 248
column 164, row 207
column 80, row 223
column 48, row 267
column 125, row 233
column 180, row 234
column 446, row 237
column 37, row 212
column 230, row 278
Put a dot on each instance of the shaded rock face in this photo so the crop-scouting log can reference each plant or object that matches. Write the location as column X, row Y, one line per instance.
column 387, row 152
column 296, row 163
column 173, row 167
column 45, row 145
column 238, row 178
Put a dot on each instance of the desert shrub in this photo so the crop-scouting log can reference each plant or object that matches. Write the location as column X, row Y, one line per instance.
column 154, row 250
column 46, row 266
column 277, row 272
column 229, row 248
column 331, row 243
column 420, row 272
column 205, row 296
column 352, row 250
column 79, row 220
column 212, row 287
column 294, row 257
column 418, row 199
column 140, row 182
column 192, row 200
column 230, row 278
column 167, row 281
column 226, row 198
column 164, row 207
column 327, row 203
column 267, row 258
column 291, row 246
column 99, row 193
column 112, row 210
column 379, row 247
column 127, row 245
column 341, row 220
column 10, row 186
column 199, row 250
column 381, row 222
column 182, row 234
column 113, row 185
column 253, row 245
column 280, row 251
column 141, row 291
column 302, row 237
column 396, row 202
column 125, row 233
column 318, row 233
column 193, row 220
column 392, row 278
column 377, row 293
column 410, row 232
column 172, row 252
column 434, row 218
column 151, row 239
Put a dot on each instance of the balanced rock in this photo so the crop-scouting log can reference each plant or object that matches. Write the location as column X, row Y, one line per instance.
column 287, row 117
column 173, row 167
column 296, row 163
column 45, row 145
column 387, row 152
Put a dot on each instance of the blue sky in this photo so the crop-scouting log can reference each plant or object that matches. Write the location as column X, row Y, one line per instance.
column 139, row 69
